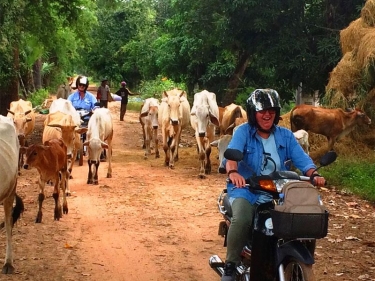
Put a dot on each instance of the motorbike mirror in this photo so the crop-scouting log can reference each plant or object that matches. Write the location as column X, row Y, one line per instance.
column 328, row 158
column 233, row 154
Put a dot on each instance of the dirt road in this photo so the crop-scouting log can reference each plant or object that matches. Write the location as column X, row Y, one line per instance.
column 152, row 223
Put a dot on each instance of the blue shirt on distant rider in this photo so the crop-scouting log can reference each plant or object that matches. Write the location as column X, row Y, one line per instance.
column 87, row 102
column 245, row 140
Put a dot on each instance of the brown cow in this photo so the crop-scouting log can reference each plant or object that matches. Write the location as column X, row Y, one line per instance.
column 51, row 162
column 230, row 114
column 332, row 123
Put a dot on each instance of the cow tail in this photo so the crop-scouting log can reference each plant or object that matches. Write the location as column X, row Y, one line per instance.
column 18, row 209
column 16, row 212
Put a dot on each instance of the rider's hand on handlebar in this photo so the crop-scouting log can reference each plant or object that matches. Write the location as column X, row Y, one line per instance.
column 318, row 180
column 237, row 179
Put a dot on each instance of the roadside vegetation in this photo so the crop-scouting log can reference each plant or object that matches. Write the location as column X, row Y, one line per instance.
column 352, row 176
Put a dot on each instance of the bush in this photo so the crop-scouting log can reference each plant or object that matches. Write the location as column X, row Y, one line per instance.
column 155, row 88
column 38, row 97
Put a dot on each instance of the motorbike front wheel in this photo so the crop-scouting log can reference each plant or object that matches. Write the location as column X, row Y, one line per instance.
column 298, row 271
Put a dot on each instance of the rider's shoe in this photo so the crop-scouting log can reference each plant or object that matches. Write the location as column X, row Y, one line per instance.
column 229, row 272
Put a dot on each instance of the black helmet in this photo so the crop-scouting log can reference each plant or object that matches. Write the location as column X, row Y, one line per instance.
column 82, row 80
column 262, row 99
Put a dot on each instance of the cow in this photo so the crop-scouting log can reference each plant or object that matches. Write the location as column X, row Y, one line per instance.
column 230, row 114
column 237, row 121
column 333, row 123
column 59, row 125
column 64, row 89
column 221, row 144
column 223, row 141
column 50, row 160
column 99, row 137
column 204, row 117
column 23, row 116
column 221, row 113
column 69, row 129
column 149, row 121
column 302, row 138
column 9, row 153
column 174, row 115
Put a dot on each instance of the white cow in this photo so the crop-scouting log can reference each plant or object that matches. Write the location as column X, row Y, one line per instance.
column 303, row 139
column 174, row 115
column 149, row 121
column 9, row 152
column 99, row 137
column 204, row 117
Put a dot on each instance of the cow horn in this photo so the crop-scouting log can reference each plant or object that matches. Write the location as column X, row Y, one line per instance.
column 11, row 112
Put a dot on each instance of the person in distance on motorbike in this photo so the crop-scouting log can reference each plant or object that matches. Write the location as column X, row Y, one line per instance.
column 82, row 99
column 265, row 147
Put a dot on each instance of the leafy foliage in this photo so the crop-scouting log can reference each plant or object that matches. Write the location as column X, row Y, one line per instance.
column 155, row 88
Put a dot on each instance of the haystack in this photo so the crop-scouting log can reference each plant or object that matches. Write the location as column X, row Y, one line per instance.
column 368, row 13
column 366, row 51
column 350, row 36
column 343, row 81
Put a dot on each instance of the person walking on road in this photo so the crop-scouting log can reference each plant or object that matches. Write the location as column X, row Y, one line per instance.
column 123, row 92
column 103, row 93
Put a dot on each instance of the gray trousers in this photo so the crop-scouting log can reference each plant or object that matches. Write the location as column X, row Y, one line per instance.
column 239, row 229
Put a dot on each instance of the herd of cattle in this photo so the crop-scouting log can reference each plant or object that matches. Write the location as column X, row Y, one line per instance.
column 173, row 114
column 53, row 158
column 62, row 142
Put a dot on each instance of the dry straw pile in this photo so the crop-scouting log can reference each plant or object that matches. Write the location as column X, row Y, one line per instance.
column 353, row 79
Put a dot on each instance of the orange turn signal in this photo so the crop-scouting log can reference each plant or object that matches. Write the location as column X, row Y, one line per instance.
column 268, row 185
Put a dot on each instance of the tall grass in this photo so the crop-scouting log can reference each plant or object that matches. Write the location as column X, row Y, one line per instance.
column 354, row 176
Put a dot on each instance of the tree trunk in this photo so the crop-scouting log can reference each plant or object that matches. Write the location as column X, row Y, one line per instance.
column 37, row 74
column 234, row 81
column 10, row 93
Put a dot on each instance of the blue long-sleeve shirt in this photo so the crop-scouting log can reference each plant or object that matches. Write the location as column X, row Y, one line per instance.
column 244, row 139
column 87, row 103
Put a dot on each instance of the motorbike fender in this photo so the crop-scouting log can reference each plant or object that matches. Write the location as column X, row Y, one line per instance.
column 294, row 249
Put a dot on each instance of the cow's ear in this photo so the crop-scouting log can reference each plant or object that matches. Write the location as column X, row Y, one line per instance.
column 214, row 120
column 215, row 143
column 144, row 114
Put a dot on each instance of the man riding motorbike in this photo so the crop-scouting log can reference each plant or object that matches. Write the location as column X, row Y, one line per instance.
column 266, row 147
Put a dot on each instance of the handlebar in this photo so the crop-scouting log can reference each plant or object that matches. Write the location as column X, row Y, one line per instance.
column 269, row 183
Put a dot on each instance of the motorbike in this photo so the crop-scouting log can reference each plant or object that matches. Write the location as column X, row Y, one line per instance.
column 281, row 244
column 85, row 117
